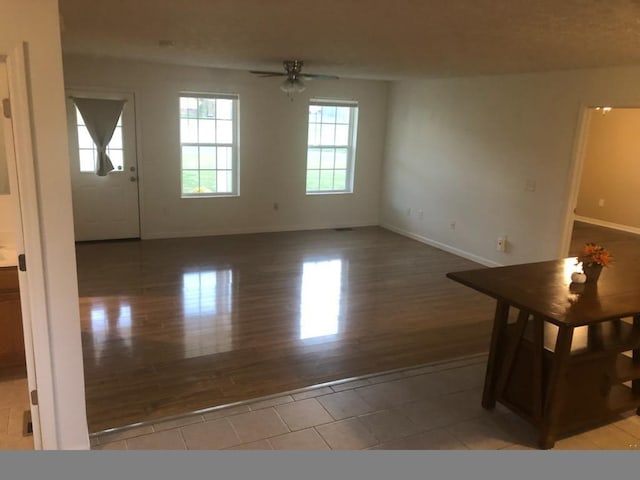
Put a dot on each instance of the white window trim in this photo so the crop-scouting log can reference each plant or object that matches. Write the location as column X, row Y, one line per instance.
column 351, row 147
column 235, row 146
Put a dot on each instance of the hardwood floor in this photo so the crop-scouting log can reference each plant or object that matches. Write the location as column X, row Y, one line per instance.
column 171, row 326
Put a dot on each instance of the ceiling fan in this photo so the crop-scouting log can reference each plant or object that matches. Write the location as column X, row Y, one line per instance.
column 293, row 72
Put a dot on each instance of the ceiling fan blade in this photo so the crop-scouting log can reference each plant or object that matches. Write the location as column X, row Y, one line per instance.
column 268, row 74
column 319, row 76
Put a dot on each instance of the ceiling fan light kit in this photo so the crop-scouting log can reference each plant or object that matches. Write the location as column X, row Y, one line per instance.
column 292, row 86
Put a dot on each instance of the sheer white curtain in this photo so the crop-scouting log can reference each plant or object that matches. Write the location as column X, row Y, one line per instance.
column 100, row 117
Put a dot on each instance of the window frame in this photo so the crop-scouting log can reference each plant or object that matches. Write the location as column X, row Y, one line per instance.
column 235, row 163
column 351, row 146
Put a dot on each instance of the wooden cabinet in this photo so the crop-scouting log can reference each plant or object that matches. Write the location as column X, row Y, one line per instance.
column 12, row 357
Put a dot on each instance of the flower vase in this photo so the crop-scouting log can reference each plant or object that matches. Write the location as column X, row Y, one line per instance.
column 592, row 272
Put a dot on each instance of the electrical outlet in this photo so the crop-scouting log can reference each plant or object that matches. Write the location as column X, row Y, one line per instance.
column 501, row 244
column 601, row 202
column 420, row 214
column 452, row 225
column 530, row 186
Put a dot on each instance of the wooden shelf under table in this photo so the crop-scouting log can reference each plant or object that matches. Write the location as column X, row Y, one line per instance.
column 594, row 377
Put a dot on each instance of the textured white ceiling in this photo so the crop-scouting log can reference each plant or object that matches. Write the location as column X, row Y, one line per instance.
column 361, row 38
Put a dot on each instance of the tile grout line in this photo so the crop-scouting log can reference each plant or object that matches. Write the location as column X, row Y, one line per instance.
column 226, row 419
column 184, row 442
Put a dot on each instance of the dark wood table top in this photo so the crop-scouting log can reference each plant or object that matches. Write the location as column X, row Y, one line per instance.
column 545, row 288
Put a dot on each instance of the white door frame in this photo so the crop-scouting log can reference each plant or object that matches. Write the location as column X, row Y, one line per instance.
column 575, row 177
column 35, row 317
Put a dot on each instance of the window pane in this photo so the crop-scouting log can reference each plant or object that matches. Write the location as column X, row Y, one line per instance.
column 87, row 160
column 206, row 108
column 188, row 107
column 315, row 113
column 342, row 134
column 313, row 158
column 224, row 181
column 84, row 139
column 340, row 180
column 207, row 131
column 224, row 108
column 116, row 140
column 188, row 131
column 117, row 159
column 327, row 136
column 190, row 181
column 328, row 114
column 341, row 158
column 207, row 157
column 314, row 134
column 224, row 158
column 313, row 180
column 224, row 132
column 326, row 159
column 342, row 115
column 326, row 179
column 207, row 181
column 190, row 158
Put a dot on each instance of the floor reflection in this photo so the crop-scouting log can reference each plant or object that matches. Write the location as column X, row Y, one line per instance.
column 207, row 303
column 106, row 330
column 320, row 298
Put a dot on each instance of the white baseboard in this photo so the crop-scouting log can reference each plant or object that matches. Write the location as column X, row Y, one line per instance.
column 604, row 223
column 442, row 246
column 240, row 231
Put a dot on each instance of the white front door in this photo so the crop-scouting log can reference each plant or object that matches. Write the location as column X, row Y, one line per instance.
column 106, row 207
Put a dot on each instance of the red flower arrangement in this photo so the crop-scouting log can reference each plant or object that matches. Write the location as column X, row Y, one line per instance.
column 594, row 254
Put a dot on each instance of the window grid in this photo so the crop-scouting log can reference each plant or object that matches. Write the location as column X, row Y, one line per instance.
column 330, row 147
column 208, row 145
column 88, row 153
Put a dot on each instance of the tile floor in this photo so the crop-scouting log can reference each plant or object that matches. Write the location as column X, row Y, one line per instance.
column 432, row 407
column 14, row 401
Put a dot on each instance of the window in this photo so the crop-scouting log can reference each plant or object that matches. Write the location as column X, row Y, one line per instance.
column 331, row 146
column 208, row 145
column 87, row 149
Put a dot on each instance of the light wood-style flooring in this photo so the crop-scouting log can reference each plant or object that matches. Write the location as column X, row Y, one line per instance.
column 177, row 325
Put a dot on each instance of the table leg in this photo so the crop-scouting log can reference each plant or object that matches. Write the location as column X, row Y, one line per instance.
column 635, row 384
column 497, row 334
column 556, row 387
column 538, row 359
column 511, row 353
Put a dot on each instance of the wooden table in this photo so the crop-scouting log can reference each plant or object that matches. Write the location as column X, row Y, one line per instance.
column 571, row 359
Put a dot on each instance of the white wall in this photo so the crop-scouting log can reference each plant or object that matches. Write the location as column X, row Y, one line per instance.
column 273, row 135
column 463, row 150
column 36, row 22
